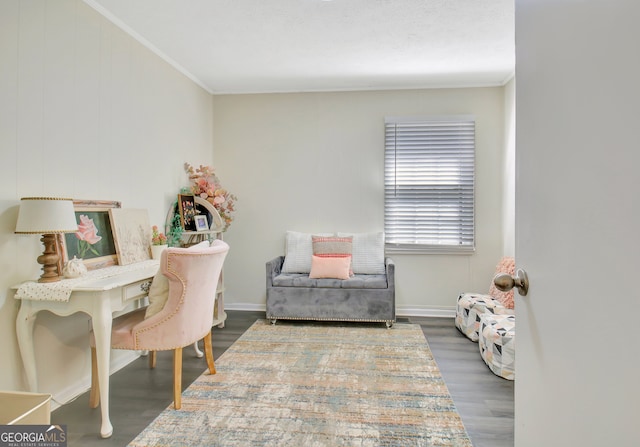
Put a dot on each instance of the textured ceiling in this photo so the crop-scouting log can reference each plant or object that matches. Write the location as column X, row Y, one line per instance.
column 248, row 46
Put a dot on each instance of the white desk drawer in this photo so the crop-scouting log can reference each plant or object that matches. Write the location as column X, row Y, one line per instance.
column 136, row 290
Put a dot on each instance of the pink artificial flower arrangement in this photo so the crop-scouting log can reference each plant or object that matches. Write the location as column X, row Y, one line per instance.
column 157, row 238
column 207, row 186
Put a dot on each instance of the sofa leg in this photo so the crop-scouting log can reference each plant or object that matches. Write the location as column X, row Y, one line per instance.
column 273, row 321
column 389, row 324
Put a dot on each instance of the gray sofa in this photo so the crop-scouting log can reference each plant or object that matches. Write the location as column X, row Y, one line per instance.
column 362, row 298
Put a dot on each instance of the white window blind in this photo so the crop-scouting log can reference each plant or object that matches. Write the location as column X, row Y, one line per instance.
column 429, row 184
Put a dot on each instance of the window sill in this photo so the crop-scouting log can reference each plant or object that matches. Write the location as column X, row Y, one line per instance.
column 428, row 250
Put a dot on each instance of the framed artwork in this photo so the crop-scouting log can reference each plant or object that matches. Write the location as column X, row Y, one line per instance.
column 131, row 234
column 187, row 208
column 201, row 222
column 93, row 242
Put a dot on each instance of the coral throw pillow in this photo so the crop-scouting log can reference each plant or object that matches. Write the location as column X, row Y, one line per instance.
column 333, row 247
column 506, row 265
column 330, row 267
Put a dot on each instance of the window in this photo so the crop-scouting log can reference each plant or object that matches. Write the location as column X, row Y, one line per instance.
column 429, row 184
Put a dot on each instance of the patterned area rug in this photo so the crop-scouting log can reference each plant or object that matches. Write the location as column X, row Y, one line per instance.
column 305, row 384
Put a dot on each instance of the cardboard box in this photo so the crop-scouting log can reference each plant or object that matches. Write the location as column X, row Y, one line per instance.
column 21, row 408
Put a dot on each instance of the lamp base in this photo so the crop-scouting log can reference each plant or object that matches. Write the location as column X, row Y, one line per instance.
column 49, row 259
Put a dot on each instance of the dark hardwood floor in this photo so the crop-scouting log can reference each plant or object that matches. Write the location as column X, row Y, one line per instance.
column 138, row 394
column 484, row 400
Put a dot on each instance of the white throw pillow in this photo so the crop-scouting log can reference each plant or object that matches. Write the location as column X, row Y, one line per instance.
column 159, row 290
column 199, row 245
column 367, row 253
column 298, row 252
column 158, row 293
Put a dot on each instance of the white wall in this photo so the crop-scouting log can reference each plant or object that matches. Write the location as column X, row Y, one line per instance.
column 85, row 112
column 314, row 162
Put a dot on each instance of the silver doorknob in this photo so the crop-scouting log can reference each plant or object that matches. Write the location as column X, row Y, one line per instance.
column 505, row 282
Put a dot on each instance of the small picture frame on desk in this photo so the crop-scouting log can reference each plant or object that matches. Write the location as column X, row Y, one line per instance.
column 201, row 222
column 187, row 208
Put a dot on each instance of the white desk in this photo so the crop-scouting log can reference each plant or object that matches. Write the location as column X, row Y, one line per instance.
column 100, row 299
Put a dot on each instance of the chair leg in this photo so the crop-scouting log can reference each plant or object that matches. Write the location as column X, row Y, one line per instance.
column 208, row 352
column 152, row 359
column 177, row 378
column 94, row 394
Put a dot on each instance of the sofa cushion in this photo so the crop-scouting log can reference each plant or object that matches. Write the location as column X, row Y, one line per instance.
column 367, row 253
column 354, row 282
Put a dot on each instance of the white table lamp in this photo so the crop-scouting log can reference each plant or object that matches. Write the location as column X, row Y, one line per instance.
column 47, row 216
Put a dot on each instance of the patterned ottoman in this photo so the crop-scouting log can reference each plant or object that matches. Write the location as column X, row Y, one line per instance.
column 497, row 344
column 469, row 308
column 471, row 305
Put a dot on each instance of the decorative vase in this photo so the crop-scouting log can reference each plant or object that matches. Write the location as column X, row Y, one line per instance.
column 74, row 268
column 156, row 250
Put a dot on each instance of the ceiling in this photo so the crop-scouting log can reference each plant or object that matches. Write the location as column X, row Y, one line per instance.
column 257, row 46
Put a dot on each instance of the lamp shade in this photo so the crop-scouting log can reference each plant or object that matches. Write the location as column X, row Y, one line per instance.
column 46, row 215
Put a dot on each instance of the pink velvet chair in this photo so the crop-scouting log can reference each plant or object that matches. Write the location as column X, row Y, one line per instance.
column 185, row 318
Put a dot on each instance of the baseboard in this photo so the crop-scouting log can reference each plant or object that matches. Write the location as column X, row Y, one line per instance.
column 438, row 312
column 74, row 391
column 402, row 311
column 247, row 307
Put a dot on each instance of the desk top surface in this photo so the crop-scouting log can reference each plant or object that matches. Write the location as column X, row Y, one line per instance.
column 119, row 279
column 93, row 281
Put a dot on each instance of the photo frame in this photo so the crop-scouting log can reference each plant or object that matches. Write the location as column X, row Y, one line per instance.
column 93, row 242
column 201, row 222
column 131, row 234
column 206, row 208
column 187, row 209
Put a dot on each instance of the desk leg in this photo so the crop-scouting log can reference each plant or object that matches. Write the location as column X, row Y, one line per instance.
column 102, row 333
column 24, row 331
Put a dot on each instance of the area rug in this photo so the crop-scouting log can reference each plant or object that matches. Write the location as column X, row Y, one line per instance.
column 314, row 384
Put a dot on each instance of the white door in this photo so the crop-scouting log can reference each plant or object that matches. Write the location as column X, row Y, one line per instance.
column 578, row 223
